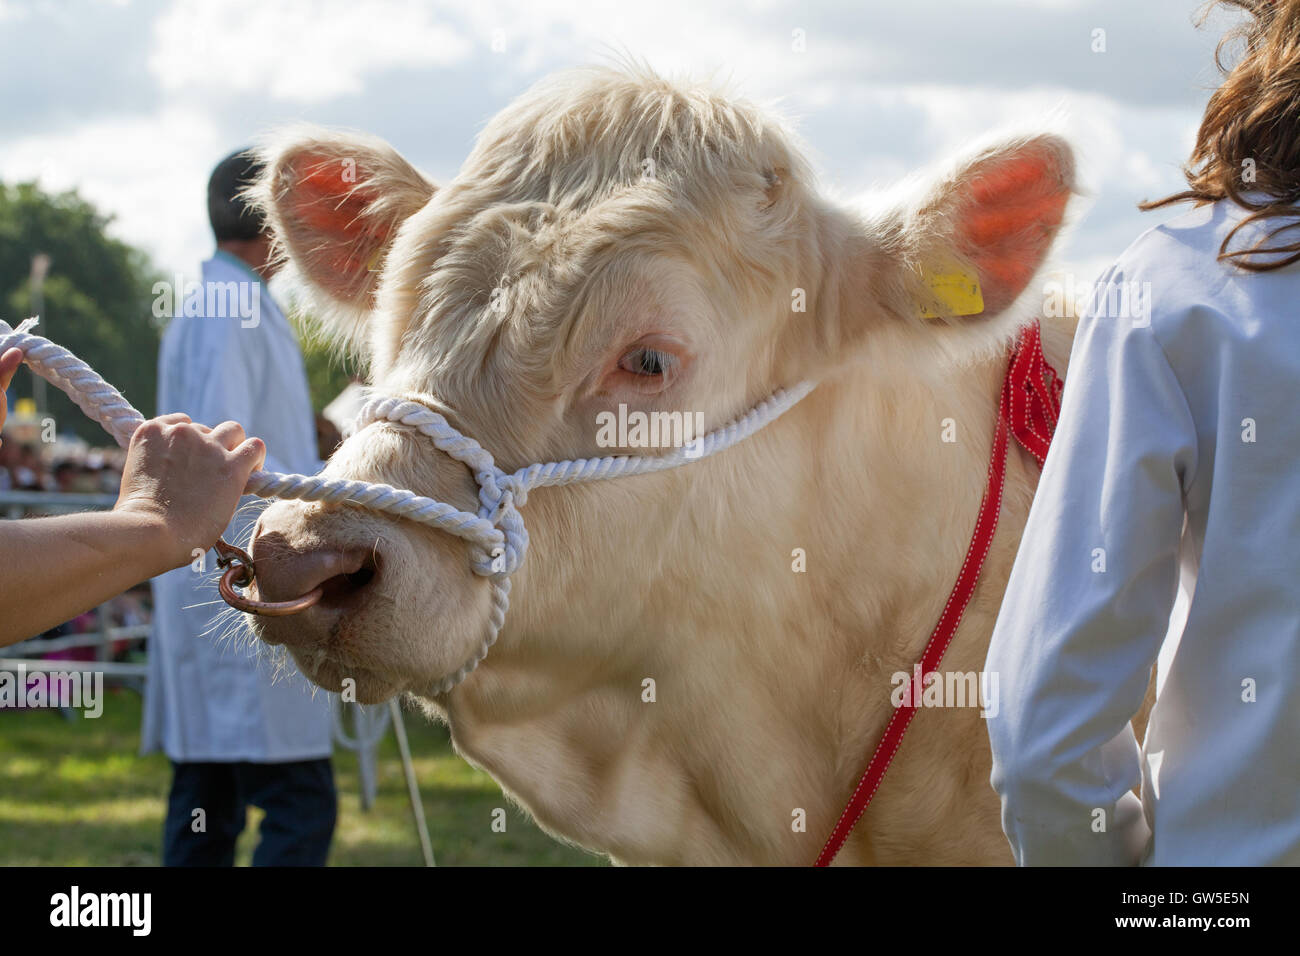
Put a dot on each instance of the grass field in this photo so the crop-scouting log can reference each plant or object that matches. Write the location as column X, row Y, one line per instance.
column 76, row 793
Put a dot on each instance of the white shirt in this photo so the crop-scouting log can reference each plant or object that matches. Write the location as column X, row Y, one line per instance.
column 1190, row 413
column 211, row 697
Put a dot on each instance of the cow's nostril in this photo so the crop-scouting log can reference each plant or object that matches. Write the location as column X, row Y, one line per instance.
column 347, row 585
column 285, row 573
column 359, row 579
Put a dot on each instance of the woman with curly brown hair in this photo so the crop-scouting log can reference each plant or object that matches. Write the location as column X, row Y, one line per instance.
column 1176, row 452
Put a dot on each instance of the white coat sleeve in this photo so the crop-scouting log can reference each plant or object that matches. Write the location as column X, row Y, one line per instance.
column 1089, row 599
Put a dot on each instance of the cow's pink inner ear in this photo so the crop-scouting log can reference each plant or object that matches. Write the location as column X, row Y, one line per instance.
column 325, row 215
column 1014, row 208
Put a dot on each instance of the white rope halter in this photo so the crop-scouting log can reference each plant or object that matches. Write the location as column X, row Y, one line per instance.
column 496, row 535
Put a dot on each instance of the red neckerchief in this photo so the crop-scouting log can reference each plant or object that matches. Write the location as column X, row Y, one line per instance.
column 1029, row 409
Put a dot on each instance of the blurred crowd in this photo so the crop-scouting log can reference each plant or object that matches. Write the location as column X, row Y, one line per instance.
column 27, row 465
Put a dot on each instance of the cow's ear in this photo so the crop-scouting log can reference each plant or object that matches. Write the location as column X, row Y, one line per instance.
column 334, row 201
column 949, row 268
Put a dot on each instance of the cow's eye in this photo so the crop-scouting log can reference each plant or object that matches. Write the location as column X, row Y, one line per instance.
column 646, row 361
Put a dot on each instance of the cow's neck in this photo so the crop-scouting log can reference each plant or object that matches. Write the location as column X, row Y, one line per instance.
column 769, row 684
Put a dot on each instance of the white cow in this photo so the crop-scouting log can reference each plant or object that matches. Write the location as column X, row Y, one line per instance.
column 670, row 685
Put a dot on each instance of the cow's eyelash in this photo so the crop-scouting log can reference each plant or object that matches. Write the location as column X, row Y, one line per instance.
column 648, row 361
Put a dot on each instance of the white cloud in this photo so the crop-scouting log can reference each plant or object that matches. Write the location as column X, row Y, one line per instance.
column 754, row 44
column 297, row 51
column 150, row 172
column 1107, row 135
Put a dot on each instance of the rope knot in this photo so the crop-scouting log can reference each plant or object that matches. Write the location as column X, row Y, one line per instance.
column 499, row 553
column 501, row 499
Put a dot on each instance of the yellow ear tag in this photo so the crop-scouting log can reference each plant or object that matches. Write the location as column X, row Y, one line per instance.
column 959, row 292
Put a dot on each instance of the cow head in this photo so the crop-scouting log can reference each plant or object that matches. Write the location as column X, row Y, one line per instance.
column 613, row 239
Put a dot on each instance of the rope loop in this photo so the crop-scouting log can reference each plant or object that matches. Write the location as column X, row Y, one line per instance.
column 491, row 555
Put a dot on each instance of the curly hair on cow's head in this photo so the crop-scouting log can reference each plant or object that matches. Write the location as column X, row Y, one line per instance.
column 1249, row 140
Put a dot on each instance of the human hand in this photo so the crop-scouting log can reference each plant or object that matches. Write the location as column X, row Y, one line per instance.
column 9, row 363
column 186, row 480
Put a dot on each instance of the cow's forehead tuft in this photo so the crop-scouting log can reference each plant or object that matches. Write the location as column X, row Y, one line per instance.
column 580, row 135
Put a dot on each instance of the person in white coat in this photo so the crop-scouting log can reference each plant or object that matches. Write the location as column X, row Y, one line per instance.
column 238, row 728
column 1174, row 460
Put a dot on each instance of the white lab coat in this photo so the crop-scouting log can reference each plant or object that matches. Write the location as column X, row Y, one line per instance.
column 209, row 697
column 1157, row 423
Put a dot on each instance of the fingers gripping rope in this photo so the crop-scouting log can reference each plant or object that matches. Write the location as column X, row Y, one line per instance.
column 497, row 538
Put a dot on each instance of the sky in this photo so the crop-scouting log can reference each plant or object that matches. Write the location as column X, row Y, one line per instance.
column 133, row 101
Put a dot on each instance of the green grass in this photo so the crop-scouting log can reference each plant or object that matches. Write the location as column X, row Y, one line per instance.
column 75, row 793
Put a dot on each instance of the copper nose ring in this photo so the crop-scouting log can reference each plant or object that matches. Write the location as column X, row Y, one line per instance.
column 240, row 574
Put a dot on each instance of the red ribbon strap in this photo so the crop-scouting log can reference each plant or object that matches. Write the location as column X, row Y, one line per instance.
column 1031, row 394
column 1029, row 408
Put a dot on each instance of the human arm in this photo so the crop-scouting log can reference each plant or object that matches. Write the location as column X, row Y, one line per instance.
column 1089, row 599
column 180, row 487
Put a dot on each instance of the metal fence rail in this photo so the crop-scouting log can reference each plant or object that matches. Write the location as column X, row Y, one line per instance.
column 17, row 504
column 50, row 645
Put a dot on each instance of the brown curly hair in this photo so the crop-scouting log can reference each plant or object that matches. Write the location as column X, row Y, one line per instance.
column 1249, row 140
